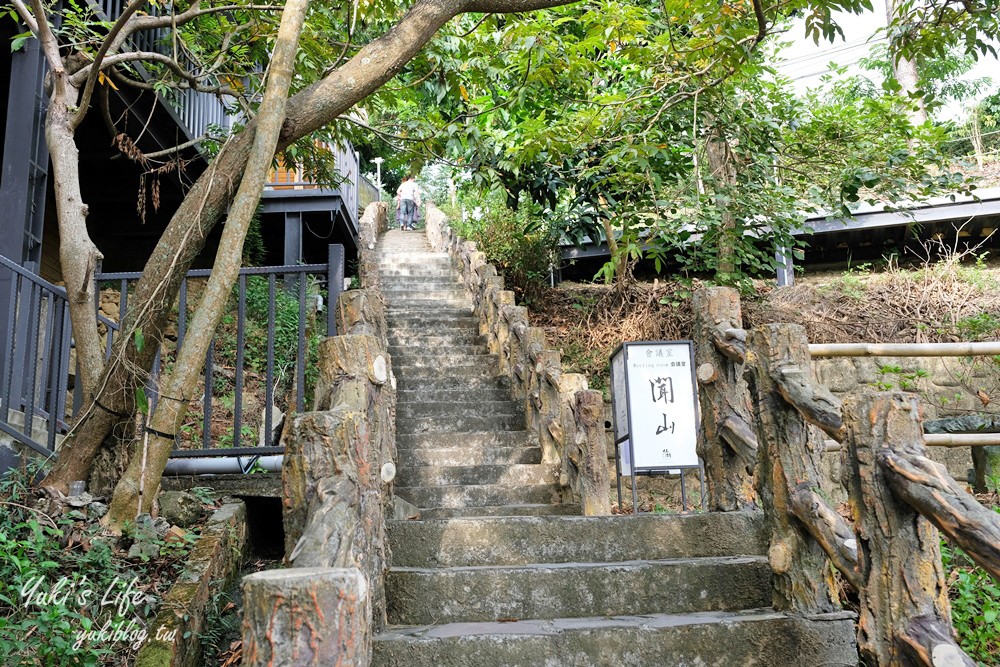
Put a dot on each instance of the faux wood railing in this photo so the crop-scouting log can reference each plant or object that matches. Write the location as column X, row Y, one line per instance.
column 899, row 498
column 337, row 476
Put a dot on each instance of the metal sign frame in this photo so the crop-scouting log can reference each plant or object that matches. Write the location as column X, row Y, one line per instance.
column 620, row 437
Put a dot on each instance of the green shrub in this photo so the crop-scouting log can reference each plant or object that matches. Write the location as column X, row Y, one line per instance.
column 975, row 606
column 60, row 577
column 522, row 244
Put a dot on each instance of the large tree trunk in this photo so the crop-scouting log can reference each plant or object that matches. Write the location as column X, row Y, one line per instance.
column 78, row 256
column 722, row 165
column 137, row 488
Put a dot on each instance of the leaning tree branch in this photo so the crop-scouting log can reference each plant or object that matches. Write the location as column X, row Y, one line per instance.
column 307, row 111
column 191, row 13
column 26, row 16
column 50, row 47
column 929, row 488
column 190, row 83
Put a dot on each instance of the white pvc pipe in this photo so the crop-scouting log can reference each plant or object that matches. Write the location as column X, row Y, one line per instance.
column 904, row 349
column 221, row 465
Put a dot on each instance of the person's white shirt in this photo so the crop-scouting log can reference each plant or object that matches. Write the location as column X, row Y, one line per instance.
column 409, row 190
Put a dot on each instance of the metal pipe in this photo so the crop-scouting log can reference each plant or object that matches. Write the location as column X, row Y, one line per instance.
column 904, row 349
column 221, row 465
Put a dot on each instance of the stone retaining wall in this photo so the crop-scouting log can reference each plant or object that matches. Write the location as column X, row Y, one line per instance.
column 567, row 416
column 216, row 556
column 947, row 387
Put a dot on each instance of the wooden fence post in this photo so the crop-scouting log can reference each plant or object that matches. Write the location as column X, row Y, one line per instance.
column 727, row 443
column 788, row 468
column 905, row 616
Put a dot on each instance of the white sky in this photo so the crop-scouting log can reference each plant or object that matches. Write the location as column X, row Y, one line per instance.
column 805, row 62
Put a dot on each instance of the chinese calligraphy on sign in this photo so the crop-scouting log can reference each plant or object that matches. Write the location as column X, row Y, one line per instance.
column 655, row 406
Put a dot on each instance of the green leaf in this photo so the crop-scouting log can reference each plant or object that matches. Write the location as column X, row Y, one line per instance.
column 141, row 401
column 140, row 342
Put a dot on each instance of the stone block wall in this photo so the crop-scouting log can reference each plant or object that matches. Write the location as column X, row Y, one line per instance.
column 567, row 416
column 946, row 386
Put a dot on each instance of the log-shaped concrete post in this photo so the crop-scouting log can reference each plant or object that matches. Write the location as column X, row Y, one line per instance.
column 306, row 617
column 727, row 443
column 789, row 462
column 905, row 617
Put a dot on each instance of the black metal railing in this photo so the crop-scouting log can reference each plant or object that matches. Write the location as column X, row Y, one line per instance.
column 195, row 110
column 35, row 353
column 35, row 359
column 285, row 295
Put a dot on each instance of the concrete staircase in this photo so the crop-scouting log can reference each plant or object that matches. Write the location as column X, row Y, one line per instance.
column 497, row 573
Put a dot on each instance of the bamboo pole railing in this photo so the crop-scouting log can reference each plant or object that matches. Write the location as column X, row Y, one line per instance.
column 904, row 349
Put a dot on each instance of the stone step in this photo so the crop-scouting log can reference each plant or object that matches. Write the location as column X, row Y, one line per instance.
column 471, row 406
column 428, row 311
column 528, row 509
column 410, row 285
column 477, row 358
column 580, row 539
column 480, row 440
column 422, row 350
column 483, row 495
column 415, row 375
column 454, row 395
column 401, row 291
column 418, row 341
column 418, row 596
column 441, row 273
column 753, row 638
column 472, row 456
column 425, row 382
column 453, row 423
column 413, row 334
column 420, row 305
column 511, row 475
column 431, row 321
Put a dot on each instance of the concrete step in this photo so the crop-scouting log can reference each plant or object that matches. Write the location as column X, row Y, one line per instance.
column 435, row 340
column 526, row 509
column 472, row 456
column 401, row 291
column 439, row 273
column 454, row 395
column 432, row 321
column 413, row 333
column 459, row 423
column 406, row 285
column 418, row 596
column 580, row 539
column 407, row 354
column 510, row 475
column 416, row 375
column 469, row 407
column 484, row 495
column 478, row 358
column 479, row 440
column 425, row 382
column 753, row 638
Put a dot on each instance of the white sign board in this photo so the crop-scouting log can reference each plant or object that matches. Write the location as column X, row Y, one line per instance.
column 657, row 417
